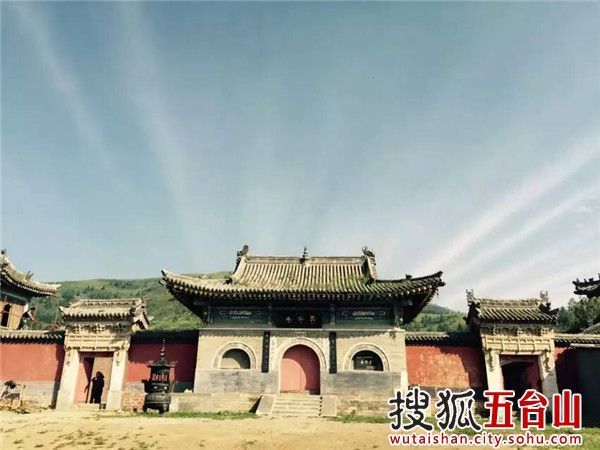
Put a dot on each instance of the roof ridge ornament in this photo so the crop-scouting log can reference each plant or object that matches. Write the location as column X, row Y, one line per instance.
column 11, row 276
column 368, row 252
column 241, row 256
column 589, row 287
column 305, row 257
column 544, row 296
column 470, row 296
column 370, row 263
column 242, row 253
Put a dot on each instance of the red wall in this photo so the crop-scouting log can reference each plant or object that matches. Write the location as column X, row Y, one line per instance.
column 27, row 361
column 140, row 354
column 445, row 366
column 566, row 368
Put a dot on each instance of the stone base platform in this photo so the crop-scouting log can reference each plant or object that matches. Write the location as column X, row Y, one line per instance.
column 224, row 401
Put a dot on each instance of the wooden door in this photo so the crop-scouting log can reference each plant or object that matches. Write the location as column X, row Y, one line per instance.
column 82, row 387
column 300, row 370
column 103, row 364
column 89, row 364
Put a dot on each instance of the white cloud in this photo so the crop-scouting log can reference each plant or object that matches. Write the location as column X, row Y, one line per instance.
column 531, row 188
column 525, row 231
column 564, row 260
column 145, row 85
column 64, row 80
column 586, row 209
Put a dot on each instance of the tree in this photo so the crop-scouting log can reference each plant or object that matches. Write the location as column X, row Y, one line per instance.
column 579, row 314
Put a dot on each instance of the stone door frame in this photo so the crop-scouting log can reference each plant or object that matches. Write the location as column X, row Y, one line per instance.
column 538, row 342
column 70, row 373
column 99, row 326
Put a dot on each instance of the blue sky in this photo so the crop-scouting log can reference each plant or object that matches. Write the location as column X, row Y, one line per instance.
column 461, row 137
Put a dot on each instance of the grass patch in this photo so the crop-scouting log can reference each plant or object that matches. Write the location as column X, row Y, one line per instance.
column 99, row 441
column 355, row 418
column 220, row 415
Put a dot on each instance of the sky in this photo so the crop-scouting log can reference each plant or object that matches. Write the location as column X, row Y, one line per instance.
column 461, row 137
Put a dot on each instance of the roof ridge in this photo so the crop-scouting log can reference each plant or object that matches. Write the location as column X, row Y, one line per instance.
column 24, row 280
column 45, row 335
column 408, row 277
column 292, row 258
column 115, row 299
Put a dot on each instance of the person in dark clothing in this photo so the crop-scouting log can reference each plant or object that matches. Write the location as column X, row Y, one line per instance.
column 97, row 387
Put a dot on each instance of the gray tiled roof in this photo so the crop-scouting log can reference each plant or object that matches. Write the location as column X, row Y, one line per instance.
column 592, row 329
column 510, row 311
column 308, row 275
column 305, row 278
column 565, row 339
column 121, row 308
column 11, row 276
column 589, row 287
column 32, row 335
column 440, row 338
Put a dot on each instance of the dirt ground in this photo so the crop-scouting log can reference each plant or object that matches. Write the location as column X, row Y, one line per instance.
column 55, row 430
column 79, row 429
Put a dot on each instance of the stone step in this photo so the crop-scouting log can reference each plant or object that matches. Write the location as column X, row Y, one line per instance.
column 296, row 408
column 89, row 406
column 297, row 395
column 196, row 402
column 289, row 412
column 297, row 405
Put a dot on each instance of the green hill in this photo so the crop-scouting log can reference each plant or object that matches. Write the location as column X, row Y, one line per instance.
column 169, row 314
column 438, row 318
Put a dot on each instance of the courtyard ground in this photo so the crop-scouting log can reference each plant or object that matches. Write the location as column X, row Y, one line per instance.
column 79, row 429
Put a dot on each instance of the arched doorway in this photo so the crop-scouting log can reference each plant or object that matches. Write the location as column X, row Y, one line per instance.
column 300, row 370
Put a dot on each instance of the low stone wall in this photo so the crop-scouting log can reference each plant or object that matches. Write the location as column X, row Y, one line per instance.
column 180, row 387
column 341, row 383
column 133, row 395
column 364, row 383
column 233, row 381
column 33, row 394
column 189, row 402
column 363, row 406
column 40, row 393
column 132, row 401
